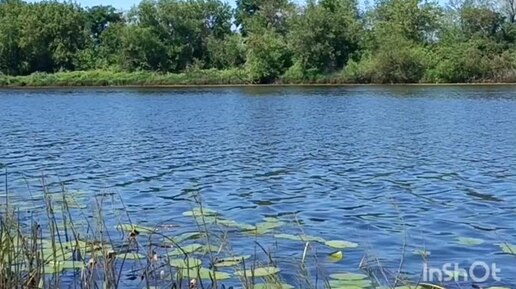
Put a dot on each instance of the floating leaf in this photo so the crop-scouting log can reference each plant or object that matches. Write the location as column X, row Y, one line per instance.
column 198, row 212
column 361, row 283
column 137, row 228
column 72, row 265
column 53, row 268
column 231, row 261
column 189, row 249
column 273, row 286
column 185, row 263
column 186, row 236
column 469, row 241
column 204, row 273
column 302, row 238
column 336, row 256
column 508, row 248
column 234, row 224
column 348, row 276
column 259, row 272
column 340, row 244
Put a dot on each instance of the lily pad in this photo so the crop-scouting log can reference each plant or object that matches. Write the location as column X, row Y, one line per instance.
column 302, row 238
column 185, row 263
column 273, row 286
column 234, row 224
column 348, row 276
column 508, row 248
column 138, row 228
column 71, row 264
column 198, row 212
column 131, row 256
column 204, row 273
column 259, row 272
column 362, row 283
column 337, row 244
column 336, row 256
column 469, row 241
column 231, row 261
column 189, row 249
column 187, row 236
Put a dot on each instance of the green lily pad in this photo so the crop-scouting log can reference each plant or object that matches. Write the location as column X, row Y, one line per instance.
column 138, row 228
column 362, row 283
column 302, row 238
column 189, row 249
column 234, row 224
column 340, row 244
column 336, row 256
column 185, row 263
column 273, row 286
column 469, row 241
column 187, row 236
column 231, row 261
column 264, row 228
column 204, row 273
column 259, row 272
column 53, row 268
column 422, row 252
column 348, row 276
column 131, row 256
column 71, row 265
column 197, row 212
column 508, row 248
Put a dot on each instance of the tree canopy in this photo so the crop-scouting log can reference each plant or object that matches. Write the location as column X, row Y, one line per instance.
column 269, row 40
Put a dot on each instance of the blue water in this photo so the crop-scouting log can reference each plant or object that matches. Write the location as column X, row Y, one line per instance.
column 372, row 165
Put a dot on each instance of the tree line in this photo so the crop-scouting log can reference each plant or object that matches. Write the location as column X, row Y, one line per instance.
column 268, row 41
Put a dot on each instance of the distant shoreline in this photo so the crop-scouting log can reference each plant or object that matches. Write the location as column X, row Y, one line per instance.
column 235, row 78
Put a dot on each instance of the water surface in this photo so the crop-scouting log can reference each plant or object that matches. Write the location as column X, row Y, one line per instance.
column 364, row 164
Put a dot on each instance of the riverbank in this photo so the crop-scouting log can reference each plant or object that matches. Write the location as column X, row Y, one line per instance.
column 193, row 78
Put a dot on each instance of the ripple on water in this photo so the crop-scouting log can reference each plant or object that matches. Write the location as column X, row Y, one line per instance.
column 372, row 164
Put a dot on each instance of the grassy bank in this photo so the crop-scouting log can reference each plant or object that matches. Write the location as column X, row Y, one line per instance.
column 232, row 77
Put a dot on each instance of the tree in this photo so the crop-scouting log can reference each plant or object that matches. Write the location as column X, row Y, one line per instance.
column 268, row 56
column 325, row 35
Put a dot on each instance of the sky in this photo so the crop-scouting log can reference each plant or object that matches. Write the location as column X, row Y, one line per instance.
column 120, row 4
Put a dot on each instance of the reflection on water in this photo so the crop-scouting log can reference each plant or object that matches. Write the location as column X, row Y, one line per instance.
column 367, row 164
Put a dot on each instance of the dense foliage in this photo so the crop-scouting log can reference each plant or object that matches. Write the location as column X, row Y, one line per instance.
column 266, row 41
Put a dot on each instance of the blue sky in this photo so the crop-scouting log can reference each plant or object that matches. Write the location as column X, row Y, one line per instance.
column 120, row 4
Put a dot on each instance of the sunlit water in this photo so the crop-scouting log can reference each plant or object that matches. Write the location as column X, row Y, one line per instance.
column 364, row 164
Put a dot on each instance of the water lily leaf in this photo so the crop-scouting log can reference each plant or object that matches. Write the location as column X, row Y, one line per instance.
column 469, row 241
column 131, row 256
column 273, row 286
column 265, row 227
column 362, row 283
column 508, row 248
column 187, row 236
column 59, row 254
column 137, row 228
column 185, row 263
column 271, row 219
column 259, row 272
column 204, row 273
column 189, row 249
column 234, row 224
column 340, row 244
column 53, row 268
column 336, row 256
column 348, row 276
column 71, row 265
column 303, row 238
column 231, row 261
column 198, row 212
